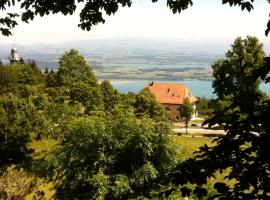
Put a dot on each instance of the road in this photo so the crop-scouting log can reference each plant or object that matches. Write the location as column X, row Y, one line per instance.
column 199, row 131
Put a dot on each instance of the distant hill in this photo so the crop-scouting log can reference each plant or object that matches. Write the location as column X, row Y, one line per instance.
column 146, row 54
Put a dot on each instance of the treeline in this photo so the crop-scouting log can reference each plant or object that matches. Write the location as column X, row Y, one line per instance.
column 205, row 106
column 103, row 144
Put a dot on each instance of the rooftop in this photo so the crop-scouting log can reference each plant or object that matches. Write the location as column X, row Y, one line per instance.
column 171, row 93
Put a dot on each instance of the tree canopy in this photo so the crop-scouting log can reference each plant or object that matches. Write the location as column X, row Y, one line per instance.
column 110, row 95
column 92, row 12
column 76, row 81
column 111, row 146
column 93, row 160
column 83, row 137
column 146, row 105
column 186, row 112
column 74, row 69
column 241, row 108
column 15, row 126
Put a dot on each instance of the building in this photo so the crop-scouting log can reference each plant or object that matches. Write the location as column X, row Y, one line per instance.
column 14, row 56
column 172, row 96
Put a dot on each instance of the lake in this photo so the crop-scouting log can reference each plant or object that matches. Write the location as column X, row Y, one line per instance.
column 198, row 88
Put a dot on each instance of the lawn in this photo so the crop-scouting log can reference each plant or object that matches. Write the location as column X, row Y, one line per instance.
column 197, row 121
column 191, row 144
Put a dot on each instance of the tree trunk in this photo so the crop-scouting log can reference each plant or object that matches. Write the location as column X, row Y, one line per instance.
column 186, row 127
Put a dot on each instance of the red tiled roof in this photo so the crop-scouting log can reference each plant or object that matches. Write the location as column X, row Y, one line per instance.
column 171, row 93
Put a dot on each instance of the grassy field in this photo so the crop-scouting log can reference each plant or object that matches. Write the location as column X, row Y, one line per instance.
column 188, row 144
column 191, row 144
column 197, row 121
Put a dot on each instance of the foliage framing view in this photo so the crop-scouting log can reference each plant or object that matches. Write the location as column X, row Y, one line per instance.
column 92, row 12
column 243, row 110
column 91, row 130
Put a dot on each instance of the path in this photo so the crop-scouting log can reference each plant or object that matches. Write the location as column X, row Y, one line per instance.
column 199, row 131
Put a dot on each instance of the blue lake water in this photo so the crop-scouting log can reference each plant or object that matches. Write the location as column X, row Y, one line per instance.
column 198, row 88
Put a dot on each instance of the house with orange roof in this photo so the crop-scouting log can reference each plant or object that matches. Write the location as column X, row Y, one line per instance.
column 172, row 96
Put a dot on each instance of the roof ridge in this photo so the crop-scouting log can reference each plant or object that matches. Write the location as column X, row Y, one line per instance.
column 168, row 83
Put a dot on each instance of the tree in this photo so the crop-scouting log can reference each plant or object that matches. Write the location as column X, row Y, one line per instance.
column 33, row 65
column 90, row 97
column 146, row 105
column 46, row 71
column 75, row 82
column 186, row 112
column 111, row 96
column 205, row 106
column 24, row 184
column 91, row 14
column 51, row 79
column 127, row 99
column 20, row 184
column 16, row 78
column 92, row 160
column 73, row 69
column 242, row 109
column 15, row 126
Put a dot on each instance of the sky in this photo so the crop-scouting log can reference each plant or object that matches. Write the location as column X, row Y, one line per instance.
column 206, row 20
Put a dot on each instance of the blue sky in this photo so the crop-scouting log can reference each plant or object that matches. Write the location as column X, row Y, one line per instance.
column 205, row 20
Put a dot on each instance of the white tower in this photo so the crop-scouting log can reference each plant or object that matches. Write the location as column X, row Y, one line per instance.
column 14, row 56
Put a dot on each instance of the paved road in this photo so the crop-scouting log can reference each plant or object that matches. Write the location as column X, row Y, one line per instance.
column 199, row 131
